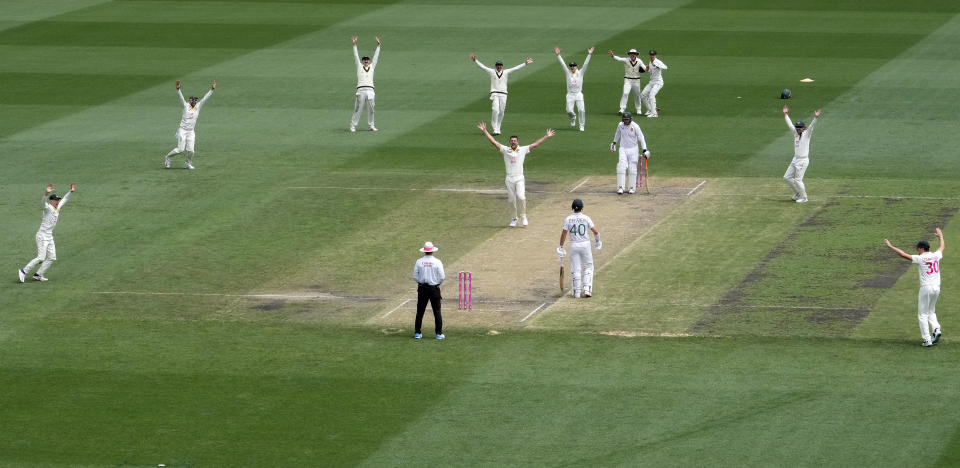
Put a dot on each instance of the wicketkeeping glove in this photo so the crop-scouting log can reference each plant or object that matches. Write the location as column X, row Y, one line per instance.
column 561, row 253
column 598, row 245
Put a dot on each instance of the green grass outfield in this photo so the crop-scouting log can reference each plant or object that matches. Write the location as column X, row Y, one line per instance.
column 738, row 330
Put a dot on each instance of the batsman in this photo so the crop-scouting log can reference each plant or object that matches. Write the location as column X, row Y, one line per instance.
column 578, row 225
column 632, row 146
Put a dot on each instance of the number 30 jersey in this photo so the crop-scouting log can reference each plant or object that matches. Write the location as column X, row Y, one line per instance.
column 579, row 226
column 929, row 266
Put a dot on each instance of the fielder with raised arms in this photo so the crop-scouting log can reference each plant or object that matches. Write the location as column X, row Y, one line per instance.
column 46, row 248
column 632, row 68
column 928, row 264
column 498, row 88
column 578, row 225
column 186, row 133
column 513, row 158
column 365, row 95
column 801, row 154
column 631, row 141
column 575, row 87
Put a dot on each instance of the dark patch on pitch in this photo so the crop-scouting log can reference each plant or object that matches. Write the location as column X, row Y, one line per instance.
column 270, row 306
column 885, row 278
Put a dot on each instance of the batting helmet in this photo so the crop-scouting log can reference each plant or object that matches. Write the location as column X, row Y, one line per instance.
column 627, row 116
column 785, row 94
column 577, row 204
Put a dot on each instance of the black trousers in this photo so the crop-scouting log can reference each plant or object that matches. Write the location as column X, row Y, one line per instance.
column 426, row 292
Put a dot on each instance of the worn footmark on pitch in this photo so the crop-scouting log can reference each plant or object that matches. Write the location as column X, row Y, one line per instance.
column 735, row 302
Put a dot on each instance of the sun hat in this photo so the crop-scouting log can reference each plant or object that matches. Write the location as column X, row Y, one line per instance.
column 429, row 247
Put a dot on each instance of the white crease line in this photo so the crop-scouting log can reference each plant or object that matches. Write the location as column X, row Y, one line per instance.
column 695, row 188
column 397, row 307
column 531, row 313
column 892, row 197
column 585, row 179
column 318, row 296
column 610, row 193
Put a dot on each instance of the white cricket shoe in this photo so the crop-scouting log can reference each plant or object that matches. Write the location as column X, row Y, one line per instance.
column 524, row 220
column 587, row 292
column 619, row 190
column 581, row 128
column 802, row 200
column 37, row 277
column 632, row 190
column 926, row 344
column 513, row 222
column 440, row 336
column 796, row 196
column 188, row 166
column 573, row 121
column 353, row 129
column 166, row 162
column 23, row 275
column 373, row 129
column 936, row 332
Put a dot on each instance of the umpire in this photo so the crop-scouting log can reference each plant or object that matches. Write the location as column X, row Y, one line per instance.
column 428, row 273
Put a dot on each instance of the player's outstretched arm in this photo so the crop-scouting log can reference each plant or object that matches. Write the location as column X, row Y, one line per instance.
column 180, row 94
column 940, row 236
column 483, row 128
column 73, row 187
column 898, row 251
column 213, row 85
column 542, row 139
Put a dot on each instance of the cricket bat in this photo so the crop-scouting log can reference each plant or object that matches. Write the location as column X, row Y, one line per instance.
column 561, row 276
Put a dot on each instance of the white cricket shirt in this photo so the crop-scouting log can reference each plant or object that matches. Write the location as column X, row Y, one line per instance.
column 498, row 80
column 801, row 143
column 629, row 136
column 574, row 80
column 928, row 264
column 631, row 70
column 429, row 270
column 365, row 74
column 656, row 71
column 50, row 215
column 513, row 159
column 188, row 121
column 578, row 225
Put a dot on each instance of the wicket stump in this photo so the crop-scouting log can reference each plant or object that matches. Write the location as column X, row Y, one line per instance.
column 465, row 290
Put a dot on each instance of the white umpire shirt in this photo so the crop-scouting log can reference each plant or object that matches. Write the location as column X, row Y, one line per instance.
column 428, row 270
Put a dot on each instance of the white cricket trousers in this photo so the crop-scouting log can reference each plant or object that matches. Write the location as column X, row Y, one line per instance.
column 627, row 167
column 364, row 101
column 649, row 97
column 794, row 175
column 185, row 142
column 927, row 310
column 628, row 85
column 581, row 257
column 516, row 192
column 499, row 105
column 576, row 99
column 46, row 253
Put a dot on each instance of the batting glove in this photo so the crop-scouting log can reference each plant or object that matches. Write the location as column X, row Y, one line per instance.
column 598, row 245
column 561, row 253
column 646, row 154
column 613, row 146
